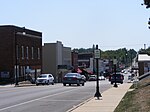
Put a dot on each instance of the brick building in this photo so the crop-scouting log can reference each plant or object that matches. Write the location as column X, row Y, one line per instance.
column 84, row 59
column 74, row 58
column 20, row 53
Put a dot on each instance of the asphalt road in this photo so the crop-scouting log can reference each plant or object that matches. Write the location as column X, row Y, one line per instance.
column 49, row 98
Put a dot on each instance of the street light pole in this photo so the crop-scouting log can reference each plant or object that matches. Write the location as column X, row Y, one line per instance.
column 97, row 52
column 16, row 60
column 93, row 59
column 115, row 63
column 131, row 60
column 126, row 63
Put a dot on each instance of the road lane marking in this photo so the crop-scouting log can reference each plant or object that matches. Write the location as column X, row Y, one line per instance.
column 2, row 109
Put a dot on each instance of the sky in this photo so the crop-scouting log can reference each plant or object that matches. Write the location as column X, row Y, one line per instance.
column 110, row 24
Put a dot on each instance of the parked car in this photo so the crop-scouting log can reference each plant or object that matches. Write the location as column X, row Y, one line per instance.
column 129, row 77
column 119, row 78
column 84, row 78
column 45, row 79
column 101, row 78
column 92, row 78
column 73, row 78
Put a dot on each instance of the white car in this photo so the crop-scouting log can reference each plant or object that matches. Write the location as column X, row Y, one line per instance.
column 45, row 79
column 101, row 78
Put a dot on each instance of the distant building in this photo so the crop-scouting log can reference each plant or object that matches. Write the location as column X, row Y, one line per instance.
column 20, row 52
column 74, row 55
column 56, row 60
column 143, row 63
column 84, row 59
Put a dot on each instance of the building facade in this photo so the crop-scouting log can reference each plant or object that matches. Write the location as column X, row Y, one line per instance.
column 20, row 53
column 84, row 59
column 74, row 55
column 56, row 60
column 143, row 63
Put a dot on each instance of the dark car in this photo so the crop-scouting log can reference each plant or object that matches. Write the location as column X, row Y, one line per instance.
column 92, row 78
column 119, row 78
column 73, row 78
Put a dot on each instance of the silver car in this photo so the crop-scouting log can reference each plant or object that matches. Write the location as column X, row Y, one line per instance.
column 45, row 79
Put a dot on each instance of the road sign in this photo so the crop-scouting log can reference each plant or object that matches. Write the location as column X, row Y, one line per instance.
column 97, row 53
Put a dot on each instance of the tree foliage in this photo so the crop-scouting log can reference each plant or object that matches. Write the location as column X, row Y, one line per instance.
column 147, row 3
column 123, row 55
column 144, row 51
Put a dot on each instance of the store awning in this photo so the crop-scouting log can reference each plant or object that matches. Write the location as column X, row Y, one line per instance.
column 79, row 71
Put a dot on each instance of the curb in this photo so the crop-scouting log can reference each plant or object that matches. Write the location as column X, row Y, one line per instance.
column 24, row 85
column 82, row 103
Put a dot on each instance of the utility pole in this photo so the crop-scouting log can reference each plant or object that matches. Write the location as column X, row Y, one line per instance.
column 16, row 59
column 144, row 46
column 115, row 64
column 97, row 56
column 93, row 59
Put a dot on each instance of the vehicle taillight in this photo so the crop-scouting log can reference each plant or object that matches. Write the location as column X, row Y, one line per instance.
column 74, row 78
column 121, row 77
column 64, row 78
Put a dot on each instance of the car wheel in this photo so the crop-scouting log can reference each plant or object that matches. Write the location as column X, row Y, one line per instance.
column 78, row 84
column 64, row 84
column 52, row 83
column 48, row 82
column 82, row 84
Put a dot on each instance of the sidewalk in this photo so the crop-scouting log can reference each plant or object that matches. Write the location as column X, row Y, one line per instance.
column 109, row 101
column 21, row 84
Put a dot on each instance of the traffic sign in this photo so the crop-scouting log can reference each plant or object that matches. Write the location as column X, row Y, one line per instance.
column 97, row 53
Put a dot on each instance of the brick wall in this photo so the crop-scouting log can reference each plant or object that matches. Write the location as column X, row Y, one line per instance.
column 10, row 36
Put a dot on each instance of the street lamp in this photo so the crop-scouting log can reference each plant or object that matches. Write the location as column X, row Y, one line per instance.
column 115, row 63
column 126, row 60
column 131, row 60
column 93, row 59
column 17, row 55
column 97, row 56
column 16, row 60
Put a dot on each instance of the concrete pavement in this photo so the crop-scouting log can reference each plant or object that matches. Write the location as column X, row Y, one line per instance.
column 21, row 84
column 107, row 103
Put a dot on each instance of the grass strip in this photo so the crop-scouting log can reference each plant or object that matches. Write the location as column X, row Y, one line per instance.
column 127, row 104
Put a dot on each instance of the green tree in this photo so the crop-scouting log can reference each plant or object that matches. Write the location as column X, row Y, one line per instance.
column 123, row 55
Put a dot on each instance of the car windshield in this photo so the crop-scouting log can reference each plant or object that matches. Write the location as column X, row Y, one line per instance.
column 70, row 75
column 92, row 76
column 117, row 75
column 42, row 76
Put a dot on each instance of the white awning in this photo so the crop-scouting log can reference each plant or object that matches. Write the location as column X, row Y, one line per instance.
column 143, row 58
